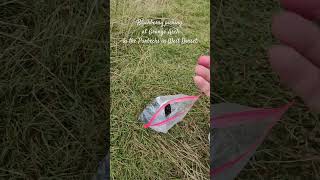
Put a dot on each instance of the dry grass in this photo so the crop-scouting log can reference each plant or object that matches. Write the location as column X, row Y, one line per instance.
column 53, row 117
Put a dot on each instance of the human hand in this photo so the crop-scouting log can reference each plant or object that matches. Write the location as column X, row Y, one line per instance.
column 202, row 78
column 297, row 59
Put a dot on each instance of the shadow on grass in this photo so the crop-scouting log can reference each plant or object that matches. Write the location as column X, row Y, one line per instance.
column 53, row 89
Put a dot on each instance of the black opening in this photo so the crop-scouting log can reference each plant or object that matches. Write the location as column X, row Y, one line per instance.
column 167, row 110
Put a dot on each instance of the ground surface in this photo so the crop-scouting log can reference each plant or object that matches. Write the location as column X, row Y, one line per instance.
column 139, row 73
column 241, row 38
column 53, row 89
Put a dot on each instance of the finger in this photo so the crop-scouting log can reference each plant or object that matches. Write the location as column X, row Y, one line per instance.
column 307, row 8
column 202, row 84
column 297, row 73
column 203, row 72
column 204, row 61
column 299, row 33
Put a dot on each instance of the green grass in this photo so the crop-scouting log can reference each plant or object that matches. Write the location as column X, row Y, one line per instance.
column 53, row 89
column 139, row 73
column 241, row 37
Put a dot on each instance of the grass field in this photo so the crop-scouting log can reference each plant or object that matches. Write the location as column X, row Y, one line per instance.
column 53, row 89
column 141, row 72
column 241, row 37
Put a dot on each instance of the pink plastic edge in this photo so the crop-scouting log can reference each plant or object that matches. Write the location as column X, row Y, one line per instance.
column 235, row 118
column 181, row 99
column 276, row 113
